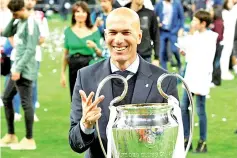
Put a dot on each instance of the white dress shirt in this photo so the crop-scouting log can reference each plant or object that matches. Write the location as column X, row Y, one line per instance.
column 132, row 68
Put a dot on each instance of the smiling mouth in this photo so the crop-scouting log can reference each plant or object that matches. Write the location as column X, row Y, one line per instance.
column 119, row 49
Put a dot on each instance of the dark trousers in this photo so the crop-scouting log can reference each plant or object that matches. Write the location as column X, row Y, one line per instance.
column 216, row 74
column 201, row 111
column 76, row 62
column 24, row 88
column 166, row 36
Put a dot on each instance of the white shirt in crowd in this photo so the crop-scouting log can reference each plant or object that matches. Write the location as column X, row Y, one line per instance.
column 5, row 16
column 200, row 53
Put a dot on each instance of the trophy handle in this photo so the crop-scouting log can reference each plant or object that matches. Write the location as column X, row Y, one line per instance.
column 115, row 100
column 191, row 113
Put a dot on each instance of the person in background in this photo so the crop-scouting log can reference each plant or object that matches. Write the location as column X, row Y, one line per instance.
column 81, row 43
column 44, row 32
column 171, row 20
column 218, row 27
column 23, row 73
column 98, row 17
column 234, row 53
column 147, row 3
column 200, row 52
column 150, row 32
column 228, row 35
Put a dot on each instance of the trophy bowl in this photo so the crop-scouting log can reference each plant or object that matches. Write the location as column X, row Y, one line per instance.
column 145, row 130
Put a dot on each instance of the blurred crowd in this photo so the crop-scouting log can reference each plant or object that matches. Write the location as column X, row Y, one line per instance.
column 198, row 38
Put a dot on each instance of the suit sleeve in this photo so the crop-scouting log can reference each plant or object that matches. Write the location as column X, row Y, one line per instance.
column 155, row 35
column 78, row 141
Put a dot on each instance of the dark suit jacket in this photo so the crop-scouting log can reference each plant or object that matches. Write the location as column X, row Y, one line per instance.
column 88, row 79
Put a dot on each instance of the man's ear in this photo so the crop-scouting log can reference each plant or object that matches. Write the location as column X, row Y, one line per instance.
column 139, row 37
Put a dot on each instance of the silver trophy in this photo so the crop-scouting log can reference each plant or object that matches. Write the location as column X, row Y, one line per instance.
column 146, row 130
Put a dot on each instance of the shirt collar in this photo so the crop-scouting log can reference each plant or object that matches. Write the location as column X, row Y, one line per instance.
column 132, row 68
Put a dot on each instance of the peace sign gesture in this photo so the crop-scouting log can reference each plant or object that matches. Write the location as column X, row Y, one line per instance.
column 90, row 112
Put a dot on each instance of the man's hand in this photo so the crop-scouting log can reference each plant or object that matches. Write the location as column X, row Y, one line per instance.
column 16, row 76
column 155, row 62
column 90, row 112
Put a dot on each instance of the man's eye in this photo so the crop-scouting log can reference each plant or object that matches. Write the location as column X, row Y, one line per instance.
column 112, row 33
column 126, row 33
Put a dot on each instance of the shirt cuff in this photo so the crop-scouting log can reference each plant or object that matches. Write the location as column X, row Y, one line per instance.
column 86, row 130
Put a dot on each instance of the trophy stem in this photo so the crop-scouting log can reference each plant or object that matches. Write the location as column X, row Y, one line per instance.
column 191, row 113
column 115, row 100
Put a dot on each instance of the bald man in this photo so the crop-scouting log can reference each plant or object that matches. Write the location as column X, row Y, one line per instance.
column 122, row 36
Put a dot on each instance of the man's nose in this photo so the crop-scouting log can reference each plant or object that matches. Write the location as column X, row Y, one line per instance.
column 119, row 38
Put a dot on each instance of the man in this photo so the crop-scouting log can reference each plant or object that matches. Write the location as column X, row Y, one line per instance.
column 150, row 31
column 23, row 72
column 171, row 19
column 44, row 31
column 122, row 36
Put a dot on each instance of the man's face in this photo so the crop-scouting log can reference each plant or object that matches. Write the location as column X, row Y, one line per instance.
column 30, row 4
column 105, row 4
column 122, row 37
column 19, row 14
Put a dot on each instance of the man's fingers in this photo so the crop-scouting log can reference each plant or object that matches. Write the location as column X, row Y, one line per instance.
column 83, row 96
column 94, row 118
column 89, row 99
column 92, row 113
column 98, row 100
column 94, row 104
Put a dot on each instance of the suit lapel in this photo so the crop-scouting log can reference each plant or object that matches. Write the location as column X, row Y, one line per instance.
column 143, row 83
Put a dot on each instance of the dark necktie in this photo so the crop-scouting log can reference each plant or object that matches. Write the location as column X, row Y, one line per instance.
column 122, row 73
column 118, row 87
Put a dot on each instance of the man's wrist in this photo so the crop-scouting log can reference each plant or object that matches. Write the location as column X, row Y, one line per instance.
column 85, row 129
column 86, row 124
